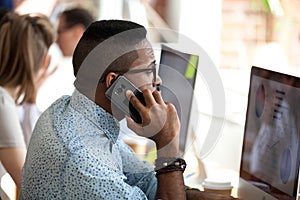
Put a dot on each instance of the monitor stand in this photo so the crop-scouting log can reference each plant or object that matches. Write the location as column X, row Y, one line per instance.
column 247, row 191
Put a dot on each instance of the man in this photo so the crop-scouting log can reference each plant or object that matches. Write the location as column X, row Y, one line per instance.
column 75, row 152
column 71, row 25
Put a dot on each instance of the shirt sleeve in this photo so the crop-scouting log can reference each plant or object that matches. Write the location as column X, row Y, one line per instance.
column 10, row 129
column 138, row 172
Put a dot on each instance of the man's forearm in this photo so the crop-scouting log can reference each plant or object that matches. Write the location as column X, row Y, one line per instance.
column 171, row 186
column 170, row 183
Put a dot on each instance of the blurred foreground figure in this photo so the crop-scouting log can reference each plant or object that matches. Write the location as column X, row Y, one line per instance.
column 24, row 59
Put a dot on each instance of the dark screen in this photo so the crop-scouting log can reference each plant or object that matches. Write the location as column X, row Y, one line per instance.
column 178, row 72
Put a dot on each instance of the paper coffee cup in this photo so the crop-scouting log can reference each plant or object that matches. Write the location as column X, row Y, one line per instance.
column 217, row 186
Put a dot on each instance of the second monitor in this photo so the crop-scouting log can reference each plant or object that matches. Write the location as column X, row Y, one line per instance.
column 178, row 71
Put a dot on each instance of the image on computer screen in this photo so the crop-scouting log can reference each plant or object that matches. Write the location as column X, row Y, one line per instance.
column 270, row 155
column 178, row 72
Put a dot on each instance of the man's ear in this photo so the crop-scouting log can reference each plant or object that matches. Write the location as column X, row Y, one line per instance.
column 110, row 79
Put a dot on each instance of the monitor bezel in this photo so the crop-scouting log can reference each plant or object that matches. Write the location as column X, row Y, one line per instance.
column 164, row 47
column 291, row 81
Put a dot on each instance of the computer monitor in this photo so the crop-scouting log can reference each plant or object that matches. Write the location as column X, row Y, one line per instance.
column 271, row 144
column 178, row 71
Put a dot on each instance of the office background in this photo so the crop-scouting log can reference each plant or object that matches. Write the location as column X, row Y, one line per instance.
column 236, row 34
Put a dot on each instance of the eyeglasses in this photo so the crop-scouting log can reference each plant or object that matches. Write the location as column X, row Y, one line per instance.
column 149, row 69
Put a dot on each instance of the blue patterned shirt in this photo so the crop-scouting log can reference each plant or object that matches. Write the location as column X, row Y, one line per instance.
column 75, row 153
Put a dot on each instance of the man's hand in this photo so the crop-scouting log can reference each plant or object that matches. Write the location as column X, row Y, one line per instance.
column 160, row 121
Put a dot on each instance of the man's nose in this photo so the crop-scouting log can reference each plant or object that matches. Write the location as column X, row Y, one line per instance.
column 157, row 82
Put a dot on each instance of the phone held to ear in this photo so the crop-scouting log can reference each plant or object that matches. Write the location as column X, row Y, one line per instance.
column 116, row 94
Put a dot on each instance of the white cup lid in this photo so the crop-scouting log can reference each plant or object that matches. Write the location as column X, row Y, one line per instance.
column 217, row 184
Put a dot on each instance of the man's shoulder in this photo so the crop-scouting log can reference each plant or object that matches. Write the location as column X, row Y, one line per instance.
column 54, row 111
column 60, row 104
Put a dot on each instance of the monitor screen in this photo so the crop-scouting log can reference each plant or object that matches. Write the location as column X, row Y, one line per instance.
column 178, row 72
column 270, row 155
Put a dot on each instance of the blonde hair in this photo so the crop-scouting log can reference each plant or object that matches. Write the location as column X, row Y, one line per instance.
column 24, row 41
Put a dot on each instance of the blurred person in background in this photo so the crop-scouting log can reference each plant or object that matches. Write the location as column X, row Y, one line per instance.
column 28, row 111
column 72, row 22
column 24, row 60
column 71, row 25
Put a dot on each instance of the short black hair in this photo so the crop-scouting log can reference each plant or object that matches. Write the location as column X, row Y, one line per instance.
column 100, row 31
column 76, row 16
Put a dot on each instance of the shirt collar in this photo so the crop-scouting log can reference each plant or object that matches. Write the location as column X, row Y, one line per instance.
column 97, row 115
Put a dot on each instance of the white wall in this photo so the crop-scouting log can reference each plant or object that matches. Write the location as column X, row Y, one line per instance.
column 201, row 21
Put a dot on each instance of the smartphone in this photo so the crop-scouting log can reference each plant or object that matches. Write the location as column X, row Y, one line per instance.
column 116, row 94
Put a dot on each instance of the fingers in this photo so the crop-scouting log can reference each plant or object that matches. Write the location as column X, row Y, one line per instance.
column 45, row 71
column 152, row 99
column 52, row 71
column 133, row 125
column 43, row 76
column 134, row 100
column 158, row 98
column 160, row 121
column 47, row 61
